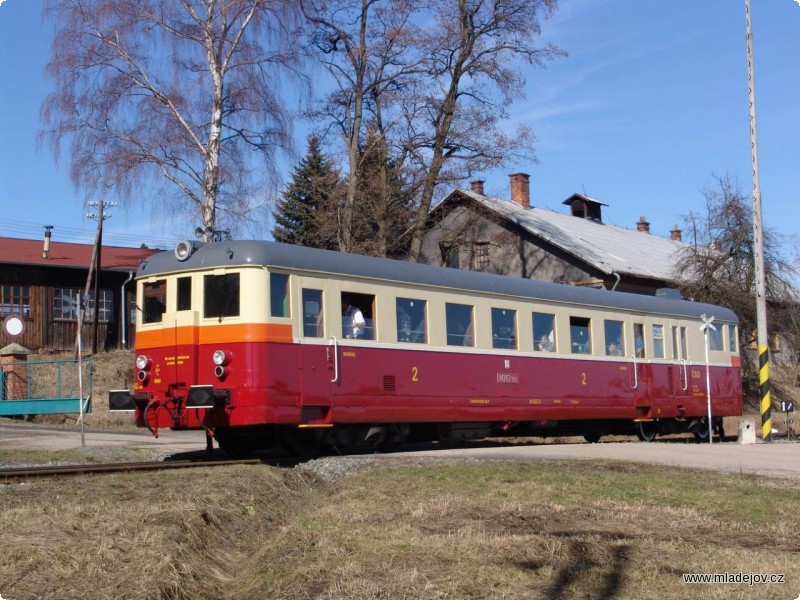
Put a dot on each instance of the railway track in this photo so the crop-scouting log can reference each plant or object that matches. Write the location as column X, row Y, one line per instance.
column 20, row 474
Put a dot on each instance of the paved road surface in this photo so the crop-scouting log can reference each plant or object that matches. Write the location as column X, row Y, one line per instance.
column 778, row 459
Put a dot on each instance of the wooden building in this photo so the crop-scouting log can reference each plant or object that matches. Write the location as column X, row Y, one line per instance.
column 470, row 230
column 42, row 285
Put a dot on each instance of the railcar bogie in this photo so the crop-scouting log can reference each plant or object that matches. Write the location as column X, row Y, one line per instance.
column 266, row 344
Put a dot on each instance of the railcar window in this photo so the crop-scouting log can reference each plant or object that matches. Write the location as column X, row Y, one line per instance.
column 358, row 316
column 279, row 294
column 715, row 338
column 615, row 340
column 580, row 332
column 684, row 344
column 504, row 328
column 638, row 340
column 221, row 296
column 544, row 332
column 411, row 326
column 732, row 338
column 184, row 293
column 458, row 318
column 658, row 341
column 155, row 301
column 675, row 354
column 313, row 323
column 679, row 345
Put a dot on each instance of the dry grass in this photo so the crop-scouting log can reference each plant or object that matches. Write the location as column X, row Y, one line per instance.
column 423, row 530
column 111, row 370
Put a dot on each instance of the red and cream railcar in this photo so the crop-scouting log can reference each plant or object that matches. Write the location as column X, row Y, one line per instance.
column 258, row 341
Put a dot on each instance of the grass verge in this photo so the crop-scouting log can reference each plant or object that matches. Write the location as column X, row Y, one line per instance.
column 422, row 529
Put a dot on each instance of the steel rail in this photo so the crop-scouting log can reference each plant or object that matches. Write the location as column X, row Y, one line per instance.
column 16, row 474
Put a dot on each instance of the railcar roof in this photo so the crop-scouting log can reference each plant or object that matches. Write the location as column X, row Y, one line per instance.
column 322, row 262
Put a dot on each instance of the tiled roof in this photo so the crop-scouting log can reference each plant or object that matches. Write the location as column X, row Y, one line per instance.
column 69, row 255
column 608, row 248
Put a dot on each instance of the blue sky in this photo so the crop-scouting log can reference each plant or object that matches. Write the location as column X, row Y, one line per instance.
column 650, row 103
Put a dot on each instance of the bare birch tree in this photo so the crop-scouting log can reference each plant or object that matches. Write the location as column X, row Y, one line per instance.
column 184, row 92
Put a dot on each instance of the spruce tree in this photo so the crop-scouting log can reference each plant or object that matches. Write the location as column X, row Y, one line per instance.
column 300, row 217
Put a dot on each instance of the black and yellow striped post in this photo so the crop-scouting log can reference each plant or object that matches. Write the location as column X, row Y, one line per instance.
column 766, row 402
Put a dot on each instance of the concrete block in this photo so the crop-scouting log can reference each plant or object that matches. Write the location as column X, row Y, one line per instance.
column 747, row 431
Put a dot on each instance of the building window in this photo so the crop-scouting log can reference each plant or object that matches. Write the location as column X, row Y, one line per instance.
column 65, row 305
column 450, row 256
column 15, row 300
column 480, row 256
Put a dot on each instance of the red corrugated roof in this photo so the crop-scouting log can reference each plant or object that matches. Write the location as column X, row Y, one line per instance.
column 66, row 254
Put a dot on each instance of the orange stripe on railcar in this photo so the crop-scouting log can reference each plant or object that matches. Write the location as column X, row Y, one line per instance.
column 214, row 334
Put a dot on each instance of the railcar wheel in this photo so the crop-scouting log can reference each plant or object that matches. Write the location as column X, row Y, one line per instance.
column 592, row 438
column 304, row 443
column 240, row 442
column 700, row 430
column 235, row 446
column 646, row 431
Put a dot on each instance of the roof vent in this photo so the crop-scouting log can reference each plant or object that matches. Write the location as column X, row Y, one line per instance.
column 585, row 207
column 48, row 232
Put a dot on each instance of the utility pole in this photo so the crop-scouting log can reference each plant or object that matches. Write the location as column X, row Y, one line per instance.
column 96, row 262
column 758, row 241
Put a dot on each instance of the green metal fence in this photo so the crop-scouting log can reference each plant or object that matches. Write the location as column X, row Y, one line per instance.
column 45, row 387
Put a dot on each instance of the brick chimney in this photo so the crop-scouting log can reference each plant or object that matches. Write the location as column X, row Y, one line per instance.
column 675, row 234
column 643, row 225
column 476, row 186
column 520, row 189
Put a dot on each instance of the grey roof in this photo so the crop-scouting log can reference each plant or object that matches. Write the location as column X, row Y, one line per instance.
column 608, row 248
column 322, row 262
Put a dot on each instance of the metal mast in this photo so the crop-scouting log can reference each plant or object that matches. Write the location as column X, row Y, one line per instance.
column 758, row 241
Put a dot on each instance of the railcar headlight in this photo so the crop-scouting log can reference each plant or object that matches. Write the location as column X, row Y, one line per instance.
column 221, row 357
column 183, row 250
column 142, row 362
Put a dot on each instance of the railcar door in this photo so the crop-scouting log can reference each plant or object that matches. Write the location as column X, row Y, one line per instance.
column 177, row 332
column 641, row 373
column 679, row 370
column 319, row 354
column 185, row 334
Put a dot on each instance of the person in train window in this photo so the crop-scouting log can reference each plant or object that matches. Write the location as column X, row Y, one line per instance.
column 614, row 350
column 639, row 344
column 403, row 326
column 354, row 322
column 545, row 345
